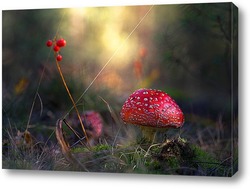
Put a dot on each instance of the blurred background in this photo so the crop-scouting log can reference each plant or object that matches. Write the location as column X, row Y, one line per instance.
column 189, row 51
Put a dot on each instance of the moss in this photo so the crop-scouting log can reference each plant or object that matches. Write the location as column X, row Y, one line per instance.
column 79, row 150
column 101, row 147
column 173, row 162
column 201, row 155
column 175, row 156
column 97, row 148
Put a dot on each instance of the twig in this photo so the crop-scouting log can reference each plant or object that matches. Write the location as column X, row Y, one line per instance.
column 153, row 145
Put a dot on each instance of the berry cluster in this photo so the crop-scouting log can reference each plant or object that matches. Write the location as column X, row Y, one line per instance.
column 57, row 46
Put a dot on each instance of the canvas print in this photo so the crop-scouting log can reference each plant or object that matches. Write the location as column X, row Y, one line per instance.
column 122, row 89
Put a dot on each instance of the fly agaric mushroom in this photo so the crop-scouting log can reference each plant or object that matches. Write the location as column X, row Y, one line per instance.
column 151, row 109
column 93, row 124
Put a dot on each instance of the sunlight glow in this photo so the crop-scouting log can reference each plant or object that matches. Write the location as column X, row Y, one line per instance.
column 108, row 37
column 78, row 11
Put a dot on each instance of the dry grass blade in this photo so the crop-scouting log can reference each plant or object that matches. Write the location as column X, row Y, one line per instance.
column 41, row 103
column 64, row 147
column 71, row 98
column 34, row 100
column 114, row 117
column 80, row 138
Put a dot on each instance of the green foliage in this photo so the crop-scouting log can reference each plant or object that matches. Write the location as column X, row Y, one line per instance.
column 101, row 147
column 203, row 158
column 79, row 150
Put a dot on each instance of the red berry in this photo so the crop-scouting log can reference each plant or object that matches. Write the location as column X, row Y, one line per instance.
column 59, row 58
column 49, row 43
column 56, row 48
column 61, row 42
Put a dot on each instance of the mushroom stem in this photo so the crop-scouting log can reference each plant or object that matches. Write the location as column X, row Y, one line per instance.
column 148, row 133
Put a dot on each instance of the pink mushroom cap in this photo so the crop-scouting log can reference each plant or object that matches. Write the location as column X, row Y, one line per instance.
column 93, row 122
column 152, row 108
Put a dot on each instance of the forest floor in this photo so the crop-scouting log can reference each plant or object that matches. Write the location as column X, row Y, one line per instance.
column 122, row 149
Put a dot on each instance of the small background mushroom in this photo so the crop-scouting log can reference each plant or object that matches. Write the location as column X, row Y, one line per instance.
column 93, row 124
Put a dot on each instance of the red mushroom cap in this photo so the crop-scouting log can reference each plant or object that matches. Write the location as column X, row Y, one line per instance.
column 152, row 108
column 94, row 123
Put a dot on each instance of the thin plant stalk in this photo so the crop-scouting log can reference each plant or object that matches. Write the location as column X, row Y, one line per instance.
column 71, row 98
